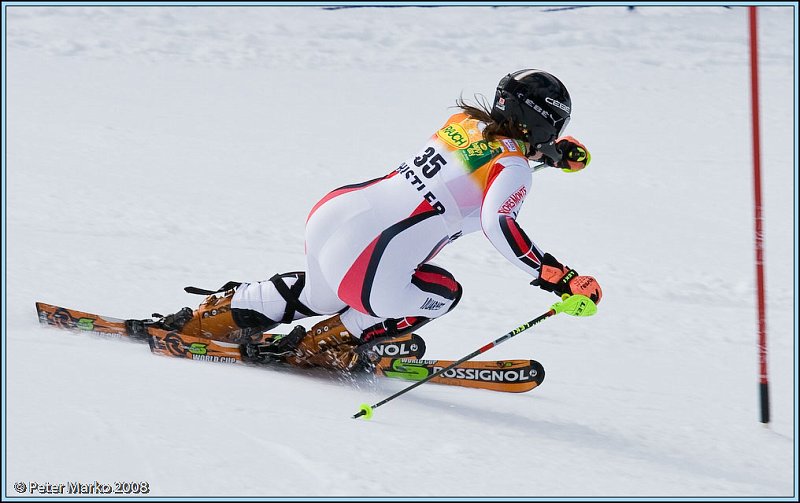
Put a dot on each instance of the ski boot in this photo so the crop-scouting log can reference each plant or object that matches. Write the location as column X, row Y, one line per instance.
column 330, row 345
column 213, row 319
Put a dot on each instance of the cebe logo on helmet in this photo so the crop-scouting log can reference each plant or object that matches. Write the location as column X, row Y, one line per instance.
column 557, row 104
column 538, row 103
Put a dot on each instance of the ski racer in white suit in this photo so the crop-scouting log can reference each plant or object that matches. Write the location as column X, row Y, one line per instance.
column 369, row 245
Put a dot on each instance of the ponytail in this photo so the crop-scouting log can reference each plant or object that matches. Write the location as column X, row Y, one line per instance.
column 482, row 112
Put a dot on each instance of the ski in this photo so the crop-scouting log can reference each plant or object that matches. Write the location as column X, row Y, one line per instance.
column 72, row 319
column 195, row 348
column 178, row 345
column 407, row 346
column 400, row 358
column 199, row 348
column 513, row 376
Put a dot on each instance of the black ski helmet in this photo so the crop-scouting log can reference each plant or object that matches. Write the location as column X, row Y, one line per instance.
column 538, row 103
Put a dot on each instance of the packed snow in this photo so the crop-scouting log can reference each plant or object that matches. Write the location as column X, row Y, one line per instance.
column 154, row 147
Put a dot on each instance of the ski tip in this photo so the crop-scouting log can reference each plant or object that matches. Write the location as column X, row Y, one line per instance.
column 364, row 411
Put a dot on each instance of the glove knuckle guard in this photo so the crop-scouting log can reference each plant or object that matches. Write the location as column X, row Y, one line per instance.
column 559, row 279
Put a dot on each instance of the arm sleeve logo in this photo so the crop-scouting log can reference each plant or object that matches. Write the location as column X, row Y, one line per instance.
column 513, row 200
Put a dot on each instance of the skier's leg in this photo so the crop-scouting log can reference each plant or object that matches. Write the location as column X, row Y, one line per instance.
column 215, row 318
column 438, row 287
column 344, row 341
column 281, row 298
column 244, row 311
column 329, row 343
column 368, row 260
column 392, row 278
column 337, row 229
column 363, row 256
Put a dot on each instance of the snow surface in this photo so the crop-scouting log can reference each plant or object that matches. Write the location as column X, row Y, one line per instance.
column 150, row 148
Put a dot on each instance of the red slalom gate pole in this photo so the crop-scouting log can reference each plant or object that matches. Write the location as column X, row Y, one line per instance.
column 759, row 235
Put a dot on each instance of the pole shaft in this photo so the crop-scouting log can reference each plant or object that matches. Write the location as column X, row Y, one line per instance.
column 759, row 234
column 475, row 353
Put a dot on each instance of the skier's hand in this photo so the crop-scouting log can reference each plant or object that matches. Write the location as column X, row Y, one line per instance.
column 559, row 279
column 574, row 155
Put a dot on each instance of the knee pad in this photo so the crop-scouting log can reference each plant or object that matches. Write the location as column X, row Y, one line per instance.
column 437, row 281
column 459, row 291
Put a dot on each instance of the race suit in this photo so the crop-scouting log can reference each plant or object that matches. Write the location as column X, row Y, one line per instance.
column 369, row 245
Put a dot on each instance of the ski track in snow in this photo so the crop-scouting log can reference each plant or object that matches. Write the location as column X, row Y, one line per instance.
column 150, row 148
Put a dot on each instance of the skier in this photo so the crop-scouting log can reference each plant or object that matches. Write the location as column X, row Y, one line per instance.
column 369, row 245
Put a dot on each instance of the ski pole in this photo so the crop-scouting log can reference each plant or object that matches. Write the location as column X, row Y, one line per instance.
column 537, row 167
column 575, row 305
